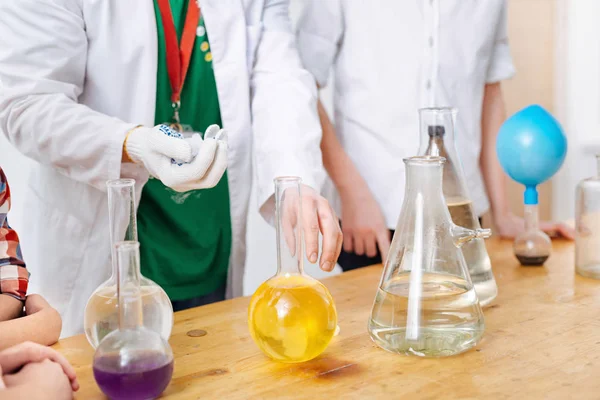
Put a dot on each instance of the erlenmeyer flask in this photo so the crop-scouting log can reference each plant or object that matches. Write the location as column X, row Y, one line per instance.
column 101, row 313
column 132, row 362
column 426, row 304
column 291, row 316
column 437, row 139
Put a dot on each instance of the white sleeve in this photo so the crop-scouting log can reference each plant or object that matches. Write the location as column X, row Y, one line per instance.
column 43, row 56
column 286, row 128
column 501, row 65
column 319, row 33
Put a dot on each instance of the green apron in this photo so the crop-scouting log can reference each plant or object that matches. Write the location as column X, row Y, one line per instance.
column 185, row 238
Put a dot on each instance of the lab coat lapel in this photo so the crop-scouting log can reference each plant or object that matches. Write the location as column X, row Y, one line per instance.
column 226, row 28
column 225, row 22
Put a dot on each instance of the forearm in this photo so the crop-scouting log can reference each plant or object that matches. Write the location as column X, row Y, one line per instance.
column 10, row 308
column 42, row 327
column 22, row 392
column 337, row 163
column 493, row 116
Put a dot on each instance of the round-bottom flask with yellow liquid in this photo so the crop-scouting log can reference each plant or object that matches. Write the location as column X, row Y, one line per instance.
column 291, row 317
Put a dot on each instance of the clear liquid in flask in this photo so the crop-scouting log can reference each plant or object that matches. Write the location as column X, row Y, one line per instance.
column 102, row 314
column 475, row 252
column 449, row 321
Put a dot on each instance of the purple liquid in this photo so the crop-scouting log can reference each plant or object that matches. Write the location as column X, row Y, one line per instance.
column 144, row 378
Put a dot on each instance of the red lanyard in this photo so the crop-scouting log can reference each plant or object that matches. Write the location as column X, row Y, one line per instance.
column 178, row 56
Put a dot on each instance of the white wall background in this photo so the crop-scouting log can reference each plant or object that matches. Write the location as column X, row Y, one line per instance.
column 261, row 260
column 577, row 97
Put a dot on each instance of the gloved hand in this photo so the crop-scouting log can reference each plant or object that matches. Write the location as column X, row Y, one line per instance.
column 180, row 164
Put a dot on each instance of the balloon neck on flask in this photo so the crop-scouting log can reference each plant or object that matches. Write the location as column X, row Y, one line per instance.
column 531, row 195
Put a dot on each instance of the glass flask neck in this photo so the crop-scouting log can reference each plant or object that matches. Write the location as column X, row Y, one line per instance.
column 437, row 131
column 121, row 215
column 531, row 217
column 424, row 176
column 437, row 139
column 128, row 285
column 288, row 215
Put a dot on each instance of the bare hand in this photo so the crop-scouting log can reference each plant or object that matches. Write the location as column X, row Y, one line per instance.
column 363, row 223
column 317, row 216
column 510, row 226
column 26, row 353
column 47, row 376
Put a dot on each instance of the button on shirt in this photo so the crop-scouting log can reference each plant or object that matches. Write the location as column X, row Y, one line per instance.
column 391, row 58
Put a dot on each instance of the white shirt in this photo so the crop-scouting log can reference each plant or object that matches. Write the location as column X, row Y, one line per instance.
column 391, row 58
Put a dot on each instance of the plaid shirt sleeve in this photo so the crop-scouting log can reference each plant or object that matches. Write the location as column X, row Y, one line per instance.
column 14, row 277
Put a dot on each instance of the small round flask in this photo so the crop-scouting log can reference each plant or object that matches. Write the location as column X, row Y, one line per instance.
column 132, row 362
column 101, row 312
column 531, row 148
column 291, row 317
column 532, row 247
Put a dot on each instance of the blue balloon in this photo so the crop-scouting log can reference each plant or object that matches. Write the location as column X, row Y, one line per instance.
column 531, row 146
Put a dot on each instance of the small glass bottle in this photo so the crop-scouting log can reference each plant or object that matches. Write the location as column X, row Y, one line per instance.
column 291, row 316
column 426, row 304
column 438, row 139
column 101, row 312
column 132, row 362
column 587, row 226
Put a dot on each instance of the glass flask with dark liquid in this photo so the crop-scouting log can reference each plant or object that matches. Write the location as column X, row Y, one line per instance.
column 101, row 312
column 291, row 317
column 426, row 304
column 132, row 362
column 438, row 139
column 532, row 247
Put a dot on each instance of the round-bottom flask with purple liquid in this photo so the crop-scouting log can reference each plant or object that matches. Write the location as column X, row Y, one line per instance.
column 132, row 362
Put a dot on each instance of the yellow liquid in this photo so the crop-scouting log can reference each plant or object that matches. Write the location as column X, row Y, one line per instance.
column 292, row 318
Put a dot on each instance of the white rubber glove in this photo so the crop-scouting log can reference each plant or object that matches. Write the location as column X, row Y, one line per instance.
column 180, row 164
column 213, row 136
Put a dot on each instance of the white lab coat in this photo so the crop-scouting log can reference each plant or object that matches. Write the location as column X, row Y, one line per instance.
column 76, row 75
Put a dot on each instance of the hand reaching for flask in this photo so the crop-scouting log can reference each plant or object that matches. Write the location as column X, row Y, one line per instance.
column 317, row 216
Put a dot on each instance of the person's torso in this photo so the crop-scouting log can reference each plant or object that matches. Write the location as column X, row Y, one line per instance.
column 397, row 57
column 185, row 238
column 120, row 81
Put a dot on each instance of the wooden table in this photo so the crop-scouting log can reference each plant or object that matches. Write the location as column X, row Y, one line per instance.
column 542, row 340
